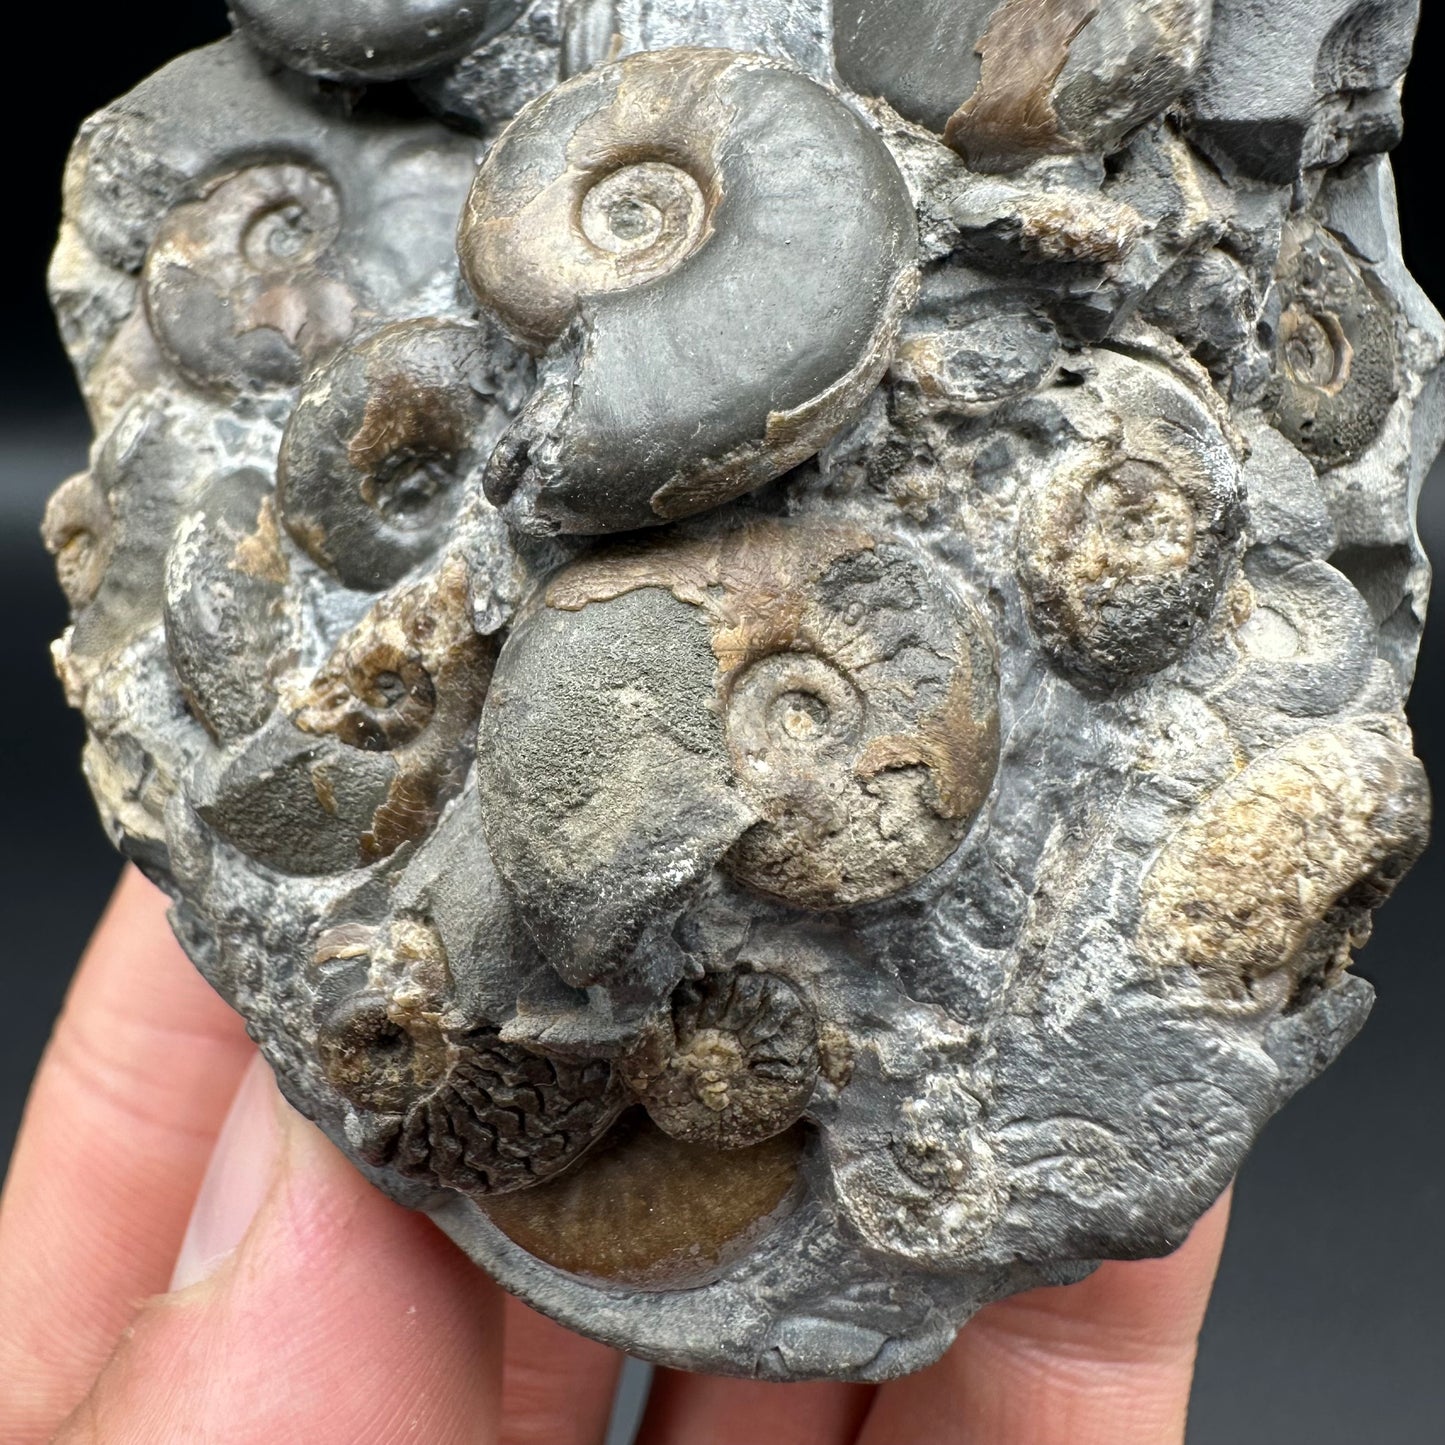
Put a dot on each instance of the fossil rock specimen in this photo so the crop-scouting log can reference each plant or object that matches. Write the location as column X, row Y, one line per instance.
column 914, row 859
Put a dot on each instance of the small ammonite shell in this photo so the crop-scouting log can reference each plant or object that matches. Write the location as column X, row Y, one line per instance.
column 859, row 705
column 363, row 754
column 243, row 287
column 224, row 606
column 78, row 532
column 1123, row 549
column 444, row 1101
column 1338, row 373
column 385, row 440
column 696, row 194
column 370, row 40
column 737, row 1061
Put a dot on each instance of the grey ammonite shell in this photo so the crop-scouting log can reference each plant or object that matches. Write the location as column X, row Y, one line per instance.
column 763, row 640
column 686, row 192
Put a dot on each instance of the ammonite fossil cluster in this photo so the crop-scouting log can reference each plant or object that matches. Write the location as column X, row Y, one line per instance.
column 764, row 640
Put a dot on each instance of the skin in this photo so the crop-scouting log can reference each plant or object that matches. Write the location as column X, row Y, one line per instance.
column 182, row 1257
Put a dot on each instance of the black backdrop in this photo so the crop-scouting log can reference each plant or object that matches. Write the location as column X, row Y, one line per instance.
column 1329, row 1323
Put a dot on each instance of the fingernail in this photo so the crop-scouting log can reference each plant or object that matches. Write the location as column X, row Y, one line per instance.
column 237, row 1180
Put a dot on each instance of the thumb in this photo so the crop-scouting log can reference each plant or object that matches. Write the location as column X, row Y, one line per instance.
column 306, row 1307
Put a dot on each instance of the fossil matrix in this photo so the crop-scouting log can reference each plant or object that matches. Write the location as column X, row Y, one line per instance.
column 763, row 640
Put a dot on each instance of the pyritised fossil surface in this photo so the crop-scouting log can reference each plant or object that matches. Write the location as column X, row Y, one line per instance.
column 764, row 640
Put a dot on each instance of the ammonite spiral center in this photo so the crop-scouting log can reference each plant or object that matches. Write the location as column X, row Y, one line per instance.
column 651, row 208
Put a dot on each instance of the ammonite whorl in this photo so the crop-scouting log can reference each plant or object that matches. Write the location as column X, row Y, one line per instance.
column 1124, row 548
column 803, row 703
column 1336, row 351
column 385, row 442
column 736, row 1061
column 365, row 752
column 443, row 1101
column 696, row 194
column 243, row 287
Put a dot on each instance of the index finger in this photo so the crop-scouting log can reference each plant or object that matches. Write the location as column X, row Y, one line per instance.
column 133, row 1087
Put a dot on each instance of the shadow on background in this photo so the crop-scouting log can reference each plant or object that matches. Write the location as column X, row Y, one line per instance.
column 1328, row 1326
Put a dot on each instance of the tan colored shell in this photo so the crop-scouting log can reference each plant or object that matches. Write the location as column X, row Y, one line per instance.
column 738, row 1064
column 241, row 286
column 652, row 1212
column 1123, row 552
column 860, row 699
column 408, row 681
column 633, row 202
column 79, row 533
column 1280, row 869
column 1338, row 370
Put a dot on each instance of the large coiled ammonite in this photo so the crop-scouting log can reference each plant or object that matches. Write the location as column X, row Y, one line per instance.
column 763, row 640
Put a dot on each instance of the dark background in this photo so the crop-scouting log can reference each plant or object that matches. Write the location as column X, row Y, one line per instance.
column 1329, row 1323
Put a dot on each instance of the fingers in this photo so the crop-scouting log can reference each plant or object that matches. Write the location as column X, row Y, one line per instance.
column 557, row 1387
column 340, row 1319
column 119, row 1127
column 701, row 1410
column 1099, row 1362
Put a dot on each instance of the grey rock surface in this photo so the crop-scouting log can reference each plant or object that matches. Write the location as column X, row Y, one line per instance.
column 765, row 643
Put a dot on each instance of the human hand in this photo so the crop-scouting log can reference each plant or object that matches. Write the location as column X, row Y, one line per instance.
column 185, row 1261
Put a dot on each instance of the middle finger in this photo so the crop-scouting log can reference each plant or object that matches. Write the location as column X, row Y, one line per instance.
column 702, row 1410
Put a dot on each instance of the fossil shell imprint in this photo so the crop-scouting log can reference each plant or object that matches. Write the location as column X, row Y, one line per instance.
column 371, row 39
column 1282, row 868
column 225, row 583
column 78, row 532
column 858, row 701
column 237, row 285
column 736, row 1065
column 1122, row 552
column 364, row 754
column 684, row 193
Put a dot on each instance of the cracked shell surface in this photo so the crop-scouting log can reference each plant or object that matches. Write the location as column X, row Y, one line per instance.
column 916, row 860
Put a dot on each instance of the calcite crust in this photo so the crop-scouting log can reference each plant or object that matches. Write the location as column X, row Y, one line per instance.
column 764, row 641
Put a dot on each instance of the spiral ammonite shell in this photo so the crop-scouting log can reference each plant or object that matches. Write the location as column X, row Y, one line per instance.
column 383, row 441
column 1123, row 552
column 763, row 640
column 697, row 193
column 238, row 287
column 736, row 1063
column 827, row 707
column 1336, row 351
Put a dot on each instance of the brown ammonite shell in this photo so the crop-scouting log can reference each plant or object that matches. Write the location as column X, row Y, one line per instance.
column 734, row 1062
column 697, row 193
column 1336, row 351
column 243, row 288
column 447, row 1103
